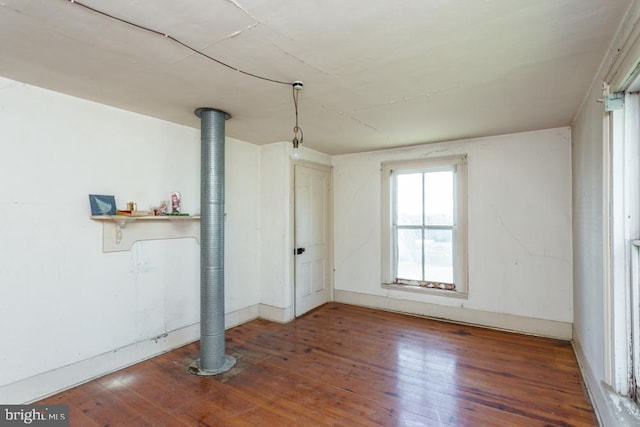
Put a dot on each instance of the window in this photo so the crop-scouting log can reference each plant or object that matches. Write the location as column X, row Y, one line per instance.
column 424, row 236
column 623, row 285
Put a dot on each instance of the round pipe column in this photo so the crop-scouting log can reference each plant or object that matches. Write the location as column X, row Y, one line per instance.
column 212, row 344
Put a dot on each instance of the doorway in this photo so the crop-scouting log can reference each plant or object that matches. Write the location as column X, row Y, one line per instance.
column 312, row 236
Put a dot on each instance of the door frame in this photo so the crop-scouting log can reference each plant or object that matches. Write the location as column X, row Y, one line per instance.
column 292, row 215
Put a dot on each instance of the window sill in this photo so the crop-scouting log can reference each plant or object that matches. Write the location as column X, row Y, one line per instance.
column 423, row 290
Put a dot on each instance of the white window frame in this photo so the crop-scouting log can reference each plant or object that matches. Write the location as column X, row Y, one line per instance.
column 459, row 165
column 622, row 309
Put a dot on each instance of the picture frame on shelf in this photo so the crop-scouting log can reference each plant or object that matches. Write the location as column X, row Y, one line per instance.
column 102, row 204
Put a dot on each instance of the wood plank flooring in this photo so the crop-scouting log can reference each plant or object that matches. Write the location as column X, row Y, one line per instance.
column 343, row 365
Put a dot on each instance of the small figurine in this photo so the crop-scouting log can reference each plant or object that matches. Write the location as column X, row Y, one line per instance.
column 175, row 203
column 164, row 208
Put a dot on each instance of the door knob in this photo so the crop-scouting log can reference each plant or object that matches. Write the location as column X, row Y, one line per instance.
column 300, row 251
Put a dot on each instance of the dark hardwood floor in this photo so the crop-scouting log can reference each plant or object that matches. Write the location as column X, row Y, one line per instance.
column 348, row 366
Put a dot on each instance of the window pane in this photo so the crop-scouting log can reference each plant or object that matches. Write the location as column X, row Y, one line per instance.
column 438, row 197
column 409, row 199
column 409, row 254
column 438, row 256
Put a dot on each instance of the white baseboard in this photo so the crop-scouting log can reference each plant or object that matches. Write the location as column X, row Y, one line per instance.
column 611, row 409
column 54, row 381
column 276, row 314
column 507, row 322
column 239, row 317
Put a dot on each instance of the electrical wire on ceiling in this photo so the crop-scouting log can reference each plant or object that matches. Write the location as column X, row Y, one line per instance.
column 297, row 85
column 224, row 64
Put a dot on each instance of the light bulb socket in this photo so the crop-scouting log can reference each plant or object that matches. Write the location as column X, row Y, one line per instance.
column 297, row 85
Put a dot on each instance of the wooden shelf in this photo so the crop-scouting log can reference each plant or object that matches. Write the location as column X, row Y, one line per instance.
column 116, row 239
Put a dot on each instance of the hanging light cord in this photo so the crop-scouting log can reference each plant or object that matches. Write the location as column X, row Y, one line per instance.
column 296, row 128
column 186, row 46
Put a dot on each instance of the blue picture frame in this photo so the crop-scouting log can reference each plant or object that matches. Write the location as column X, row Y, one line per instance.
column 102, row 205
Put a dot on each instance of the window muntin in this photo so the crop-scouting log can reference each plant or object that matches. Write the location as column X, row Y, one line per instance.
column 425, row 223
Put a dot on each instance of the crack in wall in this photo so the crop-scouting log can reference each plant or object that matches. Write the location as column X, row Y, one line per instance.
column 302, row 61
column 239, row 6
column 360, row 122
column 404, row 99
column 13, row 9
column 436, row 151
column 237, row 33
column 354, row 251
column 349, row 116
column 256, row 19
column 353, row 200
column 525, row 247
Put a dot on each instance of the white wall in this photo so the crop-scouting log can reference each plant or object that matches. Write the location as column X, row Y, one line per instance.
column 276, row 233
column 242, row 228
column 65, row 302
column 520, row 268
column 588, row 231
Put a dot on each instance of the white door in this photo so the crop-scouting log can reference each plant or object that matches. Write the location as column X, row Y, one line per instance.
column 312, row 237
